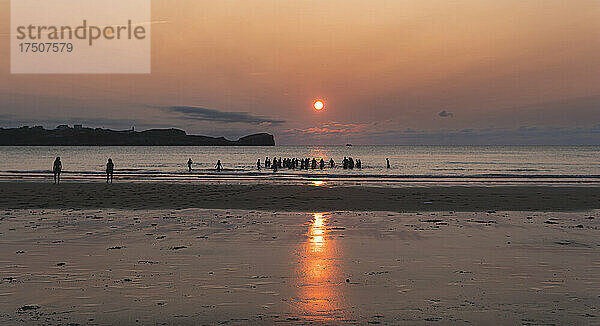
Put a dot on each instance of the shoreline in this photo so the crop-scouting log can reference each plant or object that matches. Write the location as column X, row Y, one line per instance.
column 296, row 198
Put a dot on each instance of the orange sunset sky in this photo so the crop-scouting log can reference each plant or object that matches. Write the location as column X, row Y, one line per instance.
column 390, row 72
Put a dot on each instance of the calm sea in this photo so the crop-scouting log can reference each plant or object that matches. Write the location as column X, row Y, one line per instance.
column 410, row 165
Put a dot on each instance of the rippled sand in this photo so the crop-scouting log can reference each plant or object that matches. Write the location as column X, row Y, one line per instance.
column 194, row 266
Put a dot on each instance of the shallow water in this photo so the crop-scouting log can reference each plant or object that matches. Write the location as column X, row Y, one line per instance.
column 410, row 164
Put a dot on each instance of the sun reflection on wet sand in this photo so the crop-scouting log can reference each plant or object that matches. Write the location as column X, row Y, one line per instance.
column 319, row 279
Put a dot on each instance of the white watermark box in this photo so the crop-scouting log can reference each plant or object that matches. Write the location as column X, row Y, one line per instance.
column 80, row 36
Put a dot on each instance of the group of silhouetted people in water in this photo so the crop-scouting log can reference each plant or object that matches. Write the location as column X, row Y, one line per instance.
column 275, row 164
column 306, row 163
column 57, row 170
column 293, row 163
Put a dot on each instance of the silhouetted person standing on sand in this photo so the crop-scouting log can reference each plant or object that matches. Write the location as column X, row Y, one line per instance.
column 219, row 166
column 387, row 163
column 110, row 167
column 190, row 165
column 57, row 169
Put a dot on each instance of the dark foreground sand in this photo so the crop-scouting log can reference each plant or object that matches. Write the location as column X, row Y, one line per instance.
column 195, row 267
column 183, row 254
column 296, row 197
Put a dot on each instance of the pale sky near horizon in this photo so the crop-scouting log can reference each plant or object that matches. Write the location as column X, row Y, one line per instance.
column 390, row 72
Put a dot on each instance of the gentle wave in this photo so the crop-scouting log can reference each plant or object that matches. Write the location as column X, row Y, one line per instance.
column 316, row 174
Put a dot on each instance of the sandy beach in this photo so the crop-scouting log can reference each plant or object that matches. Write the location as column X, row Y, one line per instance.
column 300, row 163
column 182, row 254
column 304, row 198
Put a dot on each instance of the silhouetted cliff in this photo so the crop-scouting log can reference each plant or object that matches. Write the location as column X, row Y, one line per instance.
column 80, row 136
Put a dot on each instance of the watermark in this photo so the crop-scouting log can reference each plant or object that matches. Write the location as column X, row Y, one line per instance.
column 80, row 36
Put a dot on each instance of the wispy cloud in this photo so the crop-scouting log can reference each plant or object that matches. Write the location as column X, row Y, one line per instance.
column 327, row 129
column 204, row 114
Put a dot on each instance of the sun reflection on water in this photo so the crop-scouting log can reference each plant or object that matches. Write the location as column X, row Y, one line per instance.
column 319, row 279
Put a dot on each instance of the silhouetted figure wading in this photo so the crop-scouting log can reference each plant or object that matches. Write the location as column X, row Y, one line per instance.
column 110, row 168
column 189, row 163
column 219, row 166
column 57, row 169
column 387, row 163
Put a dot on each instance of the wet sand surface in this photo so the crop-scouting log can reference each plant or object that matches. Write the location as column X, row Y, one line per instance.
column 296, row 197
column 199, row 266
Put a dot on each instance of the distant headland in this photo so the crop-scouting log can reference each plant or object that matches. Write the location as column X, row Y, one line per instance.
column 79, row 135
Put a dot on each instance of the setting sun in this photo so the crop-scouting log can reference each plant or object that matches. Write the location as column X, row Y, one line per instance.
column 319, row 105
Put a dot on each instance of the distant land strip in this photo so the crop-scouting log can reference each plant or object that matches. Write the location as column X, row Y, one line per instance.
column 79, row 135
